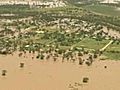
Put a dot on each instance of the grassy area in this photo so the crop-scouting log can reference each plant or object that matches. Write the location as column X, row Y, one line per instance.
column 92, row 43
column 103, row 9
column 111, row 56
column 114, row 46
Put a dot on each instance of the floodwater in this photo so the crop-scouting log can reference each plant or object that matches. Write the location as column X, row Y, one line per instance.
column 49, row 75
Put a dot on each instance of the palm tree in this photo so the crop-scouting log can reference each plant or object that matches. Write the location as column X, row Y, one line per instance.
column 21, row 65
column 85, row 80
column 80, row 54
column 54, row 58
column 4, row 72
column 47, row 57
column 80, row 61
column 42, row 56
column 95, row 55
column 90, row 58
column 88, row 63
column 20, row 54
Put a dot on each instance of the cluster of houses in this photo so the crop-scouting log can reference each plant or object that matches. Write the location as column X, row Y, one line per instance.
column 110, row 1
column 46, row 4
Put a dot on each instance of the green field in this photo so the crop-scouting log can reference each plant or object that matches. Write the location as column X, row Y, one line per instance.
column 92, row 43
column 103, row 9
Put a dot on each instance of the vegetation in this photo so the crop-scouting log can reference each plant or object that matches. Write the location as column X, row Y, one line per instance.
column 64, row 30
column 103, row 9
